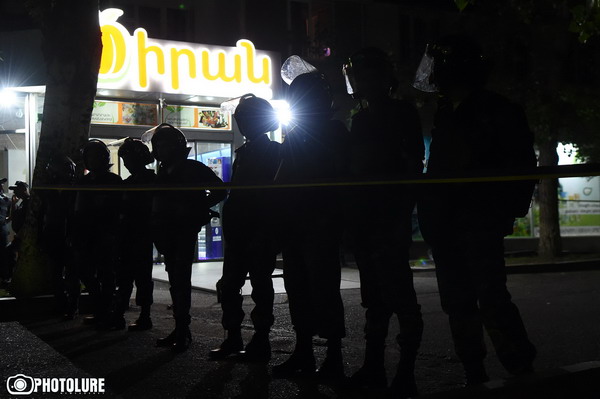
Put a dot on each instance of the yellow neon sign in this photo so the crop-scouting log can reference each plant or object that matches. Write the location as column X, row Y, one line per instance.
column 136, row 62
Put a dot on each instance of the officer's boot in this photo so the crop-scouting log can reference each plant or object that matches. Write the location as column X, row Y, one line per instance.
column 475, row 373
column 302, row 360
column 404, row 385
column 372, row 373
column 232, row 344
column 183, row 338
column 167, row 341
column 144, row 322
column 411, row 330
column 259, row 347
column 333, row 365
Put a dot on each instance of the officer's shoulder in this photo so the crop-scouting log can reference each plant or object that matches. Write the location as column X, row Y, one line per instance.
column 487, row 98
column 193, row 165
column 399, row 103
column 336, row 126
column 197, row 169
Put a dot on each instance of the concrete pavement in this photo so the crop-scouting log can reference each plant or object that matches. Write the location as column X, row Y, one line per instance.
column 41, row 345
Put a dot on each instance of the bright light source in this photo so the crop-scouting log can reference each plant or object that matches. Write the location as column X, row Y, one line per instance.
column 567, row 153
column 284, row 116
column 7, row 98
column 282, row 108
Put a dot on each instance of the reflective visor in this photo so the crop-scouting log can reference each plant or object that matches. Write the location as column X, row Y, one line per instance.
column 424, row 79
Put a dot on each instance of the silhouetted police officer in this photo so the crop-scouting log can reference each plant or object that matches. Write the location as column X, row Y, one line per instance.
column 4, row 209
column 311, row 226
column 135, row 244
column 248, row 232
column 176, row 219
column 17, row 216
column 475, row 130
column 55, row 237
column 96, row 220
column 386, row 143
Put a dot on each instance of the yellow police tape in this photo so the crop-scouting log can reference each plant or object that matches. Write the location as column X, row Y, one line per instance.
column 583, row 170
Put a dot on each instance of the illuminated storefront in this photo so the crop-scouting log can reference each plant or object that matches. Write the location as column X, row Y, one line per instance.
column 143, row 82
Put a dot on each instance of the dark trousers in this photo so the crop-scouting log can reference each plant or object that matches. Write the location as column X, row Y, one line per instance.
column 135, row 265
column 178, row 251
column 4, row 261
column 312, row 277
column 251, row 255
column 95, row 261
column 472, row 283
column 386, row 281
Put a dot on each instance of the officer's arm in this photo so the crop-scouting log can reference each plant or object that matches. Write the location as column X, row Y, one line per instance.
column 214, row 196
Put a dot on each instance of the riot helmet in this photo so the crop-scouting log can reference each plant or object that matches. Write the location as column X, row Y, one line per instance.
column 168, row 143
column 136, row 149
column 452, row 62
column 369, row 72
column 310, row 98
column 96, row 156
column 255, row 116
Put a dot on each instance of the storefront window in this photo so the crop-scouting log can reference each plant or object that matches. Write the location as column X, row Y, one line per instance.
column 216, row 156
column 13, row 140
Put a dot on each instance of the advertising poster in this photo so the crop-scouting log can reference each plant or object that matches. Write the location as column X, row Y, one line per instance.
column 121, row 113
column 213, row 119
column 180, row 116
column 578, row 206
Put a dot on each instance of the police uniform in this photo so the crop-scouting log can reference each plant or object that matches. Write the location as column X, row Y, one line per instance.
column 136, row 250
column 465, row 224
column 4, row 207
column 248, row 232
column 311, row 228
column 95, row 224
column 386, row 143
column 176, row 219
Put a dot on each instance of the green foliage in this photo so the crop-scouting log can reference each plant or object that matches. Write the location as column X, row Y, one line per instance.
column 462, row 4
column 585, row 21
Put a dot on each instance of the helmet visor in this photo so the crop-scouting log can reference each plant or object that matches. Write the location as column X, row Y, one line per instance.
column 349, row 78
column 424, row 77
column 293, row 67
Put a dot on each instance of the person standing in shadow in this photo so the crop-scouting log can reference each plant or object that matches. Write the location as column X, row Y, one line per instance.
column 475, row 130
column 310, row 226
column 248, row 232
column 55, row 237
column 135, row 244
column 386, row 144
column 177, row 217
column 4, row 211
column 95, row 225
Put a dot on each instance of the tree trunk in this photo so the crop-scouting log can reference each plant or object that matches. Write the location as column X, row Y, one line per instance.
column 72, row 49
column 550, row 245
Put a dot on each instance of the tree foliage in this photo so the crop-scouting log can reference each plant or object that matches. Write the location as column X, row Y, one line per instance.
column 547, row 54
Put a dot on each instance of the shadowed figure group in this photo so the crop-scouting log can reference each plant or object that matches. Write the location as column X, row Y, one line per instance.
column 304, row 219
column 109, row 226
column 475, row 130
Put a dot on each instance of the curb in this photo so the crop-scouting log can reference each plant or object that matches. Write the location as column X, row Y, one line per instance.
column 524, row 268
column 579, row 381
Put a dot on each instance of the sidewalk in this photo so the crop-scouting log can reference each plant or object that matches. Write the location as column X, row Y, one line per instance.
column 206, row 274
column 41, row 345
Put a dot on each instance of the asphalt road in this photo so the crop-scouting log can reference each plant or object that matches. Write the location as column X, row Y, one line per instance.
column 560, row 310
